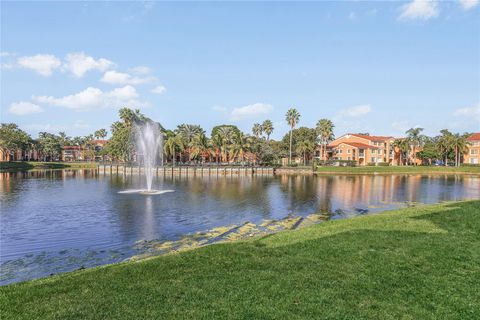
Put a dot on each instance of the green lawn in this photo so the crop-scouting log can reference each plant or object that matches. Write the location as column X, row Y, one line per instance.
column 416, row 263
column 29, row 165
column 399, row 169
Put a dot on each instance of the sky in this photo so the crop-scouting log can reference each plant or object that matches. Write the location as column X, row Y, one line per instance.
column 377, row 67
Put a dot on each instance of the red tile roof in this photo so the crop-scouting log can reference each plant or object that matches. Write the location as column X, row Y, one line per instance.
column 354, row 144
column 371, row 138
column 360, row 145
column 474, row 137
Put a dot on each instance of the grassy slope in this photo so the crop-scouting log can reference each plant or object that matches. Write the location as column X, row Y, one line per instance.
column 29, row 165
column 417, row 263
column 398, row 169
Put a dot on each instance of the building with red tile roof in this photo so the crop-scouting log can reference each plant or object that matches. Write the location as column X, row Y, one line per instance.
column 363, row 149
column 472, row 156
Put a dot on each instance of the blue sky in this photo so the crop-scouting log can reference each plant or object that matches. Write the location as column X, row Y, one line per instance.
column 378, row 67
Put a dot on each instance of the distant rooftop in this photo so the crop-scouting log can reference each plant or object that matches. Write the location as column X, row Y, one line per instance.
column 474, row 137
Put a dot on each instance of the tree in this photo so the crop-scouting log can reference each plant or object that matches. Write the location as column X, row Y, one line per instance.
column 415, row 138
column 304, row 147
column 222, row 137
column 173, row 144
column 100, row 134
column 292, row 118
column 267, row 127
column 460, row 146
column 121, row 144
column 430, row 150
column 50, row 145
column 199, row 146
column 12, row 138
column 325, row 134
column 445, row 144
column 257, row 130
column 300, row 136
column 241, row 144
column 403, row 146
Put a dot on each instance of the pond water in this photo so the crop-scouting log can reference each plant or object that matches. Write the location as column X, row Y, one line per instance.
column 54, row 221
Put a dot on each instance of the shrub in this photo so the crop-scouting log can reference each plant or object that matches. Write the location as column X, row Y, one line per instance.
column 337, row 163
column 470, row 165
column 383, row 164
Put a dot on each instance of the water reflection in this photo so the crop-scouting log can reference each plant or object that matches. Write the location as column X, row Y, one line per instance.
column 55, row 210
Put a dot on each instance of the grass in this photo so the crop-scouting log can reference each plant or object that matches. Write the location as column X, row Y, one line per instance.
column 399, row 169
column 416, row 263
column 31, row 165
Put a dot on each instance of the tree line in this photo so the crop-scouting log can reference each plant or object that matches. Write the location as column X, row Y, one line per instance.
column 226, row 143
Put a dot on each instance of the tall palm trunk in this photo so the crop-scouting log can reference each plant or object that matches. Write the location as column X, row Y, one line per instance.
column 290, row 158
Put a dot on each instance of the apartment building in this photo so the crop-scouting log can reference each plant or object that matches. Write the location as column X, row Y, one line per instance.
column 473, row 153
column 363, row 149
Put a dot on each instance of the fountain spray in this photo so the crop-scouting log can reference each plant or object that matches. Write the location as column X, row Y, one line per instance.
column 149, row 143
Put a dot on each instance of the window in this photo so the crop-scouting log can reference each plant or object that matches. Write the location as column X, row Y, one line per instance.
column 473, row 151
column 373, row 159
column 349, row 151
column 473, row 161
column 349, row 158
column 374, row 151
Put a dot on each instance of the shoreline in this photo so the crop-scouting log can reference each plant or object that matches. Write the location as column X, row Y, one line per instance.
column 413, row 244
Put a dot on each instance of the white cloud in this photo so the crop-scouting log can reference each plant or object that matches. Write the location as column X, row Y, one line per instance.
column 419, row 9
column 468, row 4
column 115, row 77
column 79, row 64
column 252, row 110
column 141, row 70
column 469, row 112
column 352, row 16
column 23, row 108
column 43, row 64
column 94, row 98
column 355, row 111
column 159, row 89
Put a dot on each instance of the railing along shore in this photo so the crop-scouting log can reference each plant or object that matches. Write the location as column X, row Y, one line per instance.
column 198, row 170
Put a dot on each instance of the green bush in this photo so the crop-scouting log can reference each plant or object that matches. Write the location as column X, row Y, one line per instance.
column 469, row 165
column 383, row 164
column 338, row 163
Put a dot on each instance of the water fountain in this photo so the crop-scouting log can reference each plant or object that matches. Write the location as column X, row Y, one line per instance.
column 149, row 142
column 149, row 148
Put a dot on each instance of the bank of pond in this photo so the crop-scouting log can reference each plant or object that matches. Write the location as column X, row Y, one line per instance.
column 418, row 263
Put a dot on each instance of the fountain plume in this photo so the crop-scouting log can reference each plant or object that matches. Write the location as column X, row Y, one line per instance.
column 149, row 143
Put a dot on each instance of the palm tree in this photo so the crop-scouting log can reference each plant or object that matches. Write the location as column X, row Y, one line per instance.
column 403, row 146
column 415, row 139
column 257, row 130
column 460, row 146
column 241, row 144
column 445, row 144
column 267, row 127
column 292, row 118
column 223, row 139
column 100, row 134
column 305, row 147
column 324, row 130
column 199, row 146
column 173, row 144
column 187, row 132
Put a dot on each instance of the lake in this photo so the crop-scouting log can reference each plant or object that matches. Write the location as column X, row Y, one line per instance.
column 54, row 221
